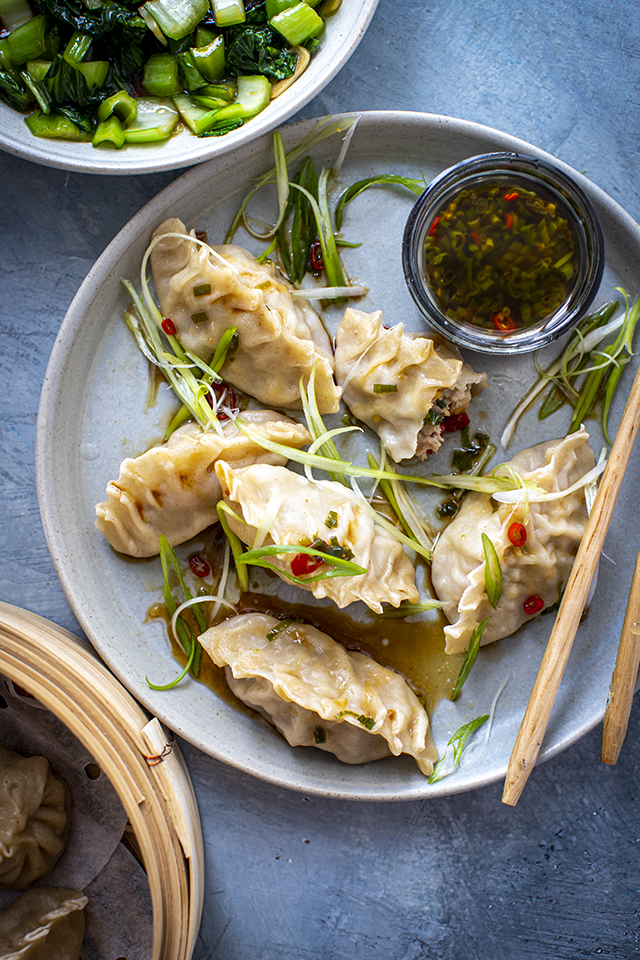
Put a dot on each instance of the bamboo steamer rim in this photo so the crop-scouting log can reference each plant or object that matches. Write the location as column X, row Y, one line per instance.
column 144, row 766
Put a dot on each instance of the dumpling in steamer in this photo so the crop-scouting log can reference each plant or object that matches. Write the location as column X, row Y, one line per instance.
column 540, row 568
column 34, row 819
column 46, row 923
column 205, row 290
column 319, row 695
column 172, row 489
column 303, row 509
column 424, row 380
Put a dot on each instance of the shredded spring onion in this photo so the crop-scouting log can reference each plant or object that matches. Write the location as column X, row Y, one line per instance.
column 541, row 496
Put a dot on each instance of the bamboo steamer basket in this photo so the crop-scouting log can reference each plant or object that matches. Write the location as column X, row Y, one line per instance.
column 140, row 759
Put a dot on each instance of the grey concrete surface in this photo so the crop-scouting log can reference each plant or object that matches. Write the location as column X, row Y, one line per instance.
column 296, row 878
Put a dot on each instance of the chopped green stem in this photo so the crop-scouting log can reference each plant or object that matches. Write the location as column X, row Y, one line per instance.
column 237, row 547
column 470, row 657
column 339, row 567
column 415, row 186
column 492, row 571
column 457, row 741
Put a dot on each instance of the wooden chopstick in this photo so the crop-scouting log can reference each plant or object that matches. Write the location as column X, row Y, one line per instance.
column 534, row 723
column 623, row 679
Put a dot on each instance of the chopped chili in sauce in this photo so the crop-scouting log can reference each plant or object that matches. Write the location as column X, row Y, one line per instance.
column 498, row 268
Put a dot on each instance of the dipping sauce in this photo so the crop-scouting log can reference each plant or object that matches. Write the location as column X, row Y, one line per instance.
column 500, row 256
column 503, row 253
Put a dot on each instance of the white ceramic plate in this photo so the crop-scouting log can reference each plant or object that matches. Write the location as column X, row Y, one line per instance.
column 91, row 417
column 344, row 31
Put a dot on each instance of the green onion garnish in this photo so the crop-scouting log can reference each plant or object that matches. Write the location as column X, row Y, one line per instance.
column 492, row 571
column 470, row 657
column 189, row 643
column 338, row 567
column 282, row 625
column 202, row 291
column 457, row 741
column 385, row 388
column 367, row 722
column 407, row 609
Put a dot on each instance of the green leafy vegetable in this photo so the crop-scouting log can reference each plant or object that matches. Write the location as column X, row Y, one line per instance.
column 457, row 741
column 470, row 657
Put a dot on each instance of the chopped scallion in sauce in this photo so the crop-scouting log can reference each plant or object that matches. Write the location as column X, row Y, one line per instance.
column 500, row 258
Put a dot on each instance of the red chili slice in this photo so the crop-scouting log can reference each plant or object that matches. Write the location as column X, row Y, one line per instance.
column 199, row 565
column 434, row 226
column 533, row 605
column 508, row 221
column 503, row 323
column 304, row 563
column 231, row 400
column 458, row 421
column 315, row 255
column 517, row 533
column 511, row 196
column 169, row 327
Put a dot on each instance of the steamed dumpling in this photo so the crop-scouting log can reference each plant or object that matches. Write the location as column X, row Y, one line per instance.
column 34, row 808
column 280, row 339
column 46, row 923
column 423, row 378
column 172, row 489
column 303, row 509
column 540, row 568
column 319, row 695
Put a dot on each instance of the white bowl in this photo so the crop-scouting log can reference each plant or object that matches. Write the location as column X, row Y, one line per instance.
column 344, row 31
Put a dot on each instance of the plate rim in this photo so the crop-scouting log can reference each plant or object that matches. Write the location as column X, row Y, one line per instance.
column 98, row 274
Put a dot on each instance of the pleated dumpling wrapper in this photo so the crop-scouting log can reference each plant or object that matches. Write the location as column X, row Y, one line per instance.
column 172, row 489
column 297, row 511
column 34, row 819
column 318, row 694
column 205, row 290
column 401, row 385
column 539, row 568
column 46, row 923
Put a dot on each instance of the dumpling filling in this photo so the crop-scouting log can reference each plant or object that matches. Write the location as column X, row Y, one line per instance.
column 401, row 385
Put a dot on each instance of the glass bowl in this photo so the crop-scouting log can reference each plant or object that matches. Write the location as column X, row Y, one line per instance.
column 503, row 253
